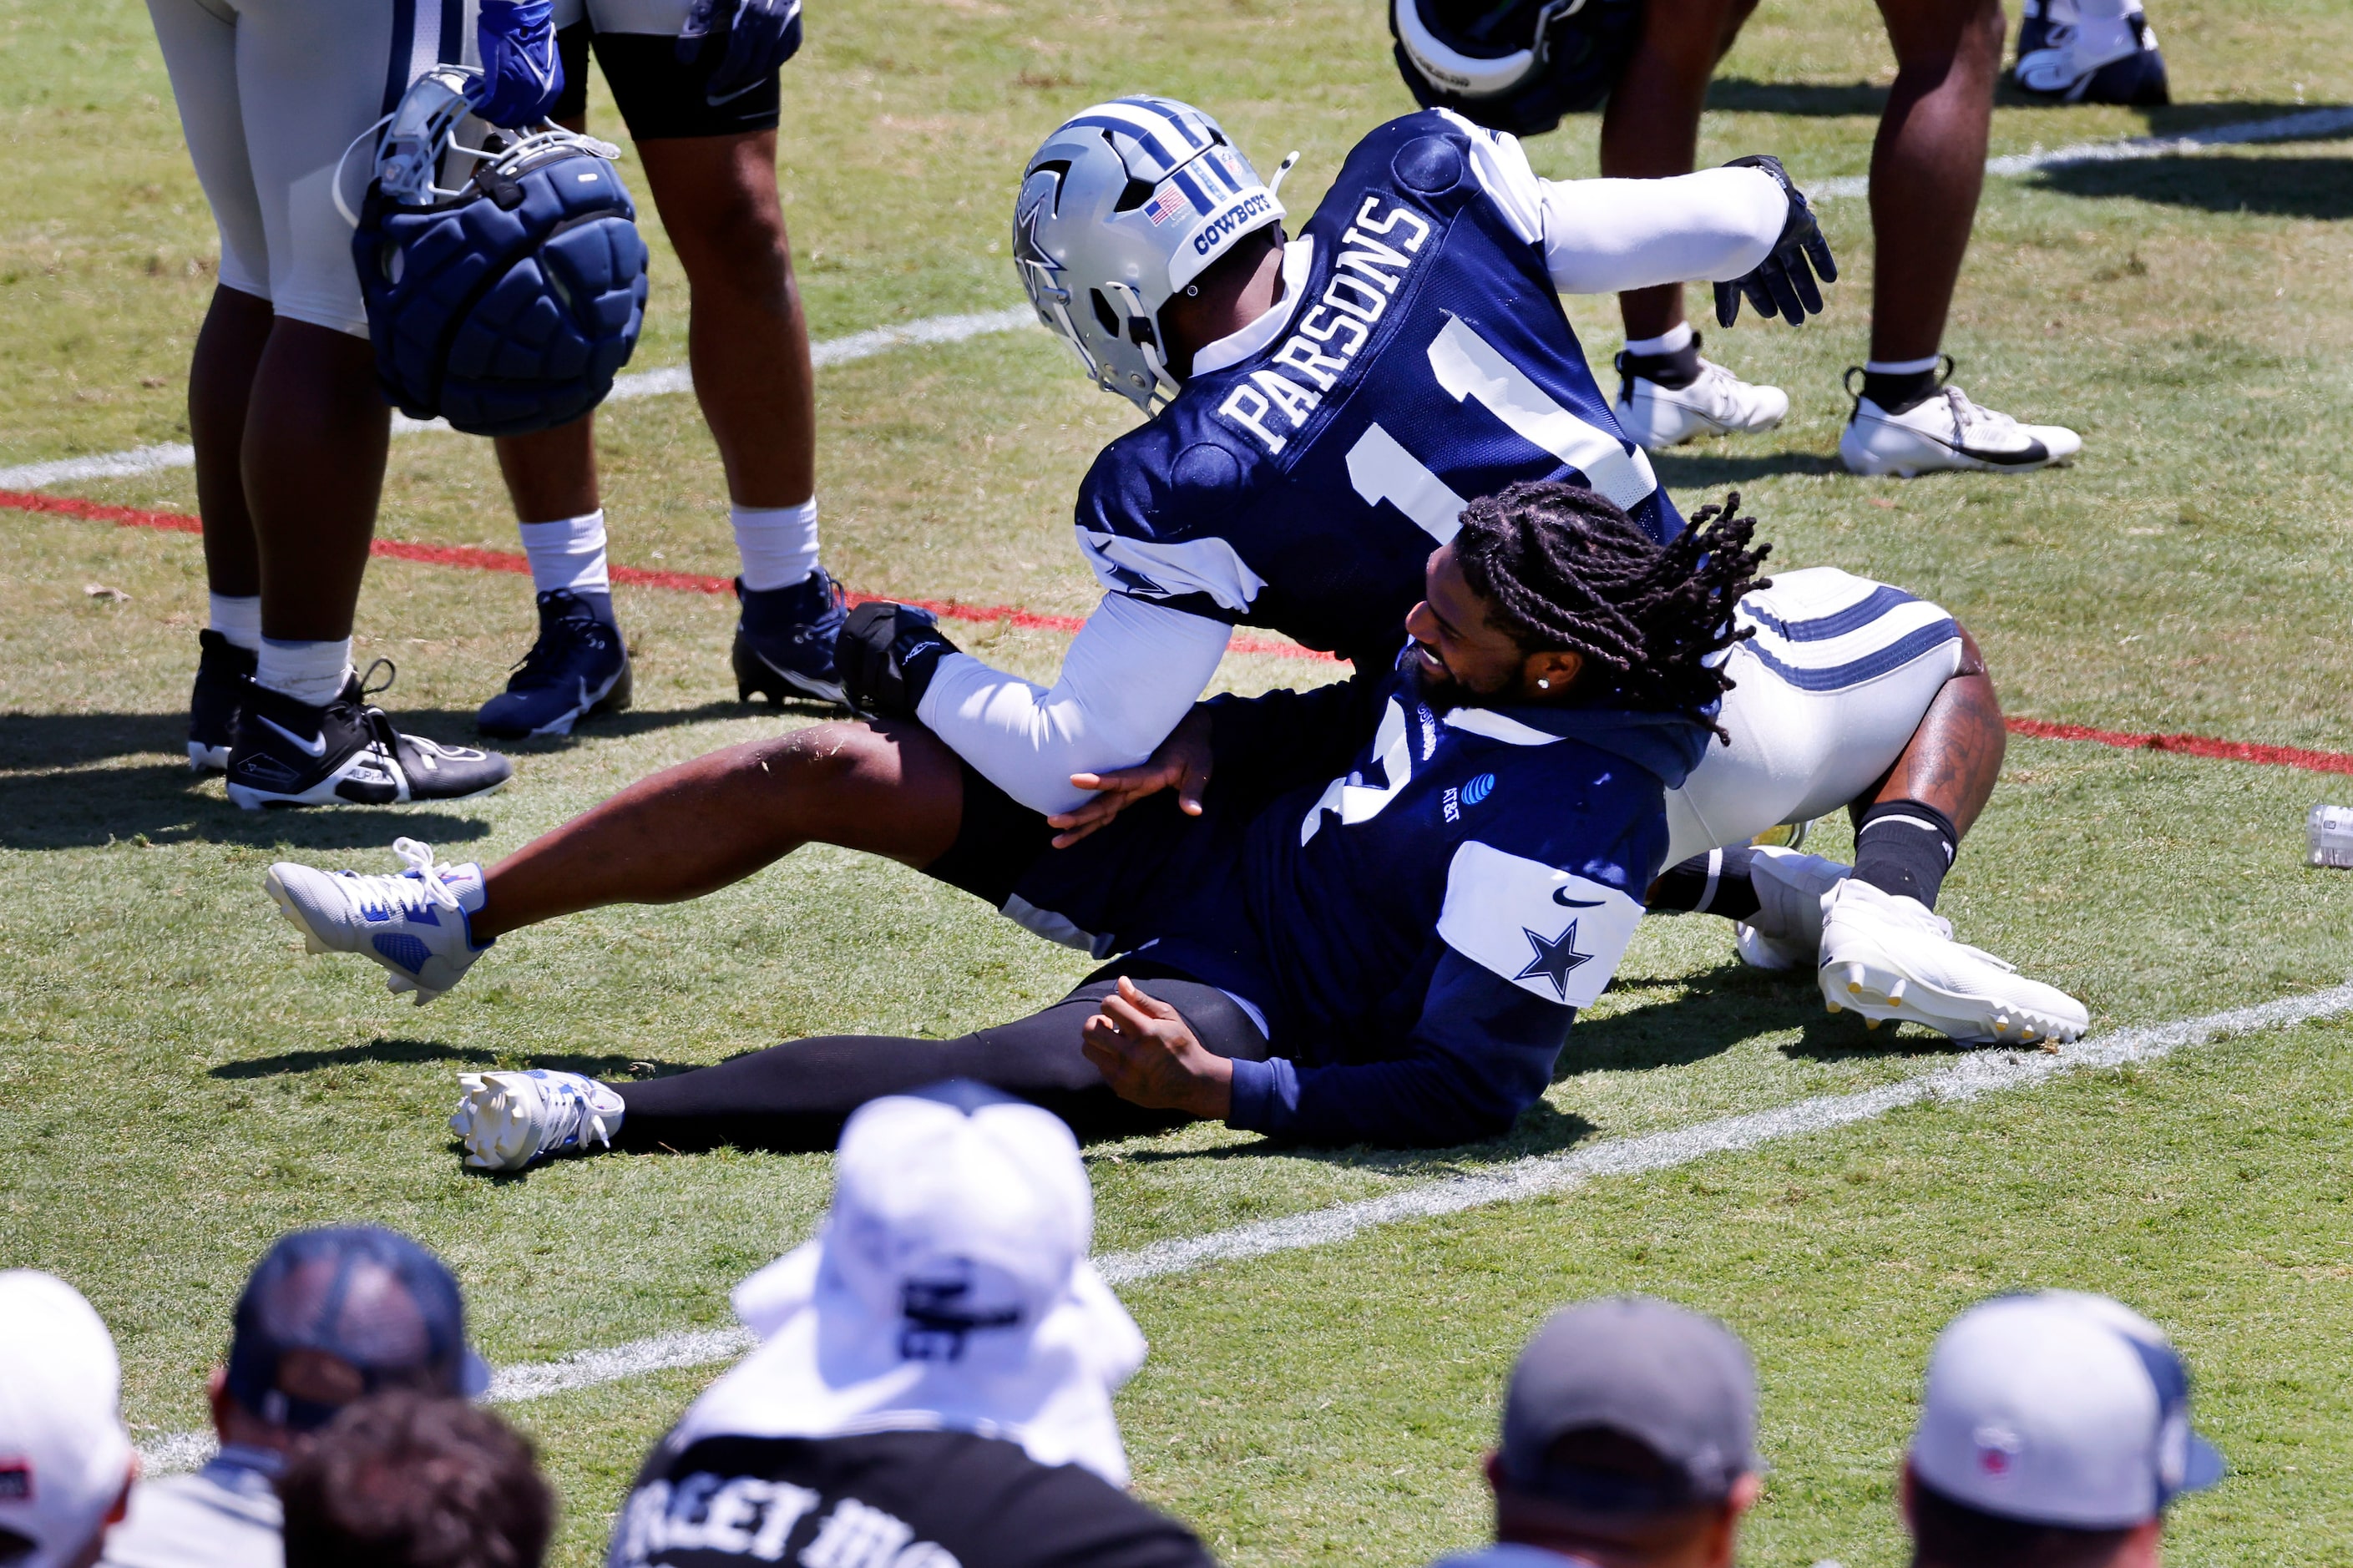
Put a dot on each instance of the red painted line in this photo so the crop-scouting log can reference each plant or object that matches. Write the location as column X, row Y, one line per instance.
column 636, row 576
column 73, row 506
column 955, row 609
column 2191, row 745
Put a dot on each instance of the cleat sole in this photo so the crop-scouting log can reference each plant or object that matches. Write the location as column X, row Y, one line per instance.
column 1880, row 992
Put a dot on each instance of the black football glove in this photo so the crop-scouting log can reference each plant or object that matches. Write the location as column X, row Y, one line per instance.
column 1782, row 284
column 751, row 37
column 886, row 656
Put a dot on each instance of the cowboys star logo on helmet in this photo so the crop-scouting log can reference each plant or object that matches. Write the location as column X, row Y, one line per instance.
column 506, row 302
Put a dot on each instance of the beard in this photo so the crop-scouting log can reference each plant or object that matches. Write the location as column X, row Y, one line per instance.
column 1438, row 685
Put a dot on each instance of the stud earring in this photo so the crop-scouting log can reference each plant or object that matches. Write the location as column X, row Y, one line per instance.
column 1543, row 685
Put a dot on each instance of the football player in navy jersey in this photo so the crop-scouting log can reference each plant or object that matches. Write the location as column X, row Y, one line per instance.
column 1321, row 407
column 1400, row 889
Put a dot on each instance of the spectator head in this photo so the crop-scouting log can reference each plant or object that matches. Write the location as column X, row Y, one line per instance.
column 329, row 1317
column 405, row 1480
column 949, row 1288
column 1630, row 1437
column 66, row 1463
column 2054, row 1431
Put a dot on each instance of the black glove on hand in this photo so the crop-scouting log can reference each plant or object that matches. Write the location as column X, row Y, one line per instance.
column 886, row 656
column 759, row 35
column 1781, row 284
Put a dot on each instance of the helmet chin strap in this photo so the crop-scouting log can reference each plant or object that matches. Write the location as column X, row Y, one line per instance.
column 1274, row 185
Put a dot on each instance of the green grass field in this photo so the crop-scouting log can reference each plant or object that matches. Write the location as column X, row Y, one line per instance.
column 177, row 1086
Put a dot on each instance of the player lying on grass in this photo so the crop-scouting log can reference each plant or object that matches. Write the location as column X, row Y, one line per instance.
column 1375, row 925
column 1321, row 408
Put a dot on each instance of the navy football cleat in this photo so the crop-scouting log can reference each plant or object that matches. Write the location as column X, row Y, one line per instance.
column 346, row 753
column 785, row 637
column 222, row 670
column 578, row 667
column 2066, row 57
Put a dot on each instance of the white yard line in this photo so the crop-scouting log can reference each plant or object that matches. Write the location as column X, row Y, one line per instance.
column 643, row 384
column 1979, row 1073
column 2314, row 124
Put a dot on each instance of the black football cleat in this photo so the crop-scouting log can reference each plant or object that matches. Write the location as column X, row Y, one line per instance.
column 222, row 670
column 347, row 753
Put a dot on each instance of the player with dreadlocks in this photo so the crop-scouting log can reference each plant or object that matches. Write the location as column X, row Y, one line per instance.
column 1560, row 567
column 1377, row 927
column 1836, row 691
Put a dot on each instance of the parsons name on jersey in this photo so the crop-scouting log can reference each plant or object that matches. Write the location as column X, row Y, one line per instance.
column 1419, row 356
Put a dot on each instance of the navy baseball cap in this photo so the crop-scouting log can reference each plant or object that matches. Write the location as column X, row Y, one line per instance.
column 331, row 1316
column 1675, row 1381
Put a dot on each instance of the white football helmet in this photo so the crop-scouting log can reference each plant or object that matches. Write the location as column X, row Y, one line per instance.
column 1124, row 205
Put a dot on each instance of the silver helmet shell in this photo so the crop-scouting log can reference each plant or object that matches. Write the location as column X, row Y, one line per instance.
column 1124, row 205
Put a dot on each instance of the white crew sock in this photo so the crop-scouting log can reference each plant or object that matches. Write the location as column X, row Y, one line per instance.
column 310, row 672
column 1901, row 366
column 1674, row 339
column 777, row 543
column 237, row 616
column 568, row 553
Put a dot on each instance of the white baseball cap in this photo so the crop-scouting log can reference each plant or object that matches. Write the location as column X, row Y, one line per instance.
column 949, row 1290
column 63, row 1456
column 2060, row 1408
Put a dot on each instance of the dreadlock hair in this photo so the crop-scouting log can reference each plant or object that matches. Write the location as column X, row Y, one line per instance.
column 1562, row 568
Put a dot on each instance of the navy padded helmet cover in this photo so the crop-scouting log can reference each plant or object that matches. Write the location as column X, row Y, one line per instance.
column 505, row 319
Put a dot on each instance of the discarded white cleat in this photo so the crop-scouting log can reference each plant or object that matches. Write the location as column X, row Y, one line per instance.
column 417, row 923
column 507, row 1120
column 1891, row 957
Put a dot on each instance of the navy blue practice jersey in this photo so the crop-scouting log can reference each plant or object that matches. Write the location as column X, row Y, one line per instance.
column 1418, row 898
column 1426, row 360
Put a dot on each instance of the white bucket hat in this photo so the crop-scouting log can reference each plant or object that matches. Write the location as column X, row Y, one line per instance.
column 948, row 1290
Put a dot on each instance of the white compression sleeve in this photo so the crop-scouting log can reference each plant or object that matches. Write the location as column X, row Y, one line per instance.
column 1605, row 236
column 1132, row 672
column 1602, row 237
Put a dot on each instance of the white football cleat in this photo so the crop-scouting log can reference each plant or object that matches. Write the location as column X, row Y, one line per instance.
column 1890, row 957
column 507, row 1119
column 1718, row 404
column 1946, row 430
column 416, row 923
column 1786, row 932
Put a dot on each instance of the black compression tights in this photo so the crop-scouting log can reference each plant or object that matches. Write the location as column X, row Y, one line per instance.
column 796, row 1096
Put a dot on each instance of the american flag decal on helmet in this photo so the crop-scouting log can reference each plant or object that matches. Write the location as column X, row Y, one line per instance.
column 1169, row 202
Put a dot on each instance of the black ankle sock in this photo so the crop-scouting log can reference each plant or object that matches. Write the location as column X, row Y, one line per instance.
column 1898, row 392
column 1716, row 883
column 1673, row 370
column 1904, row 847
